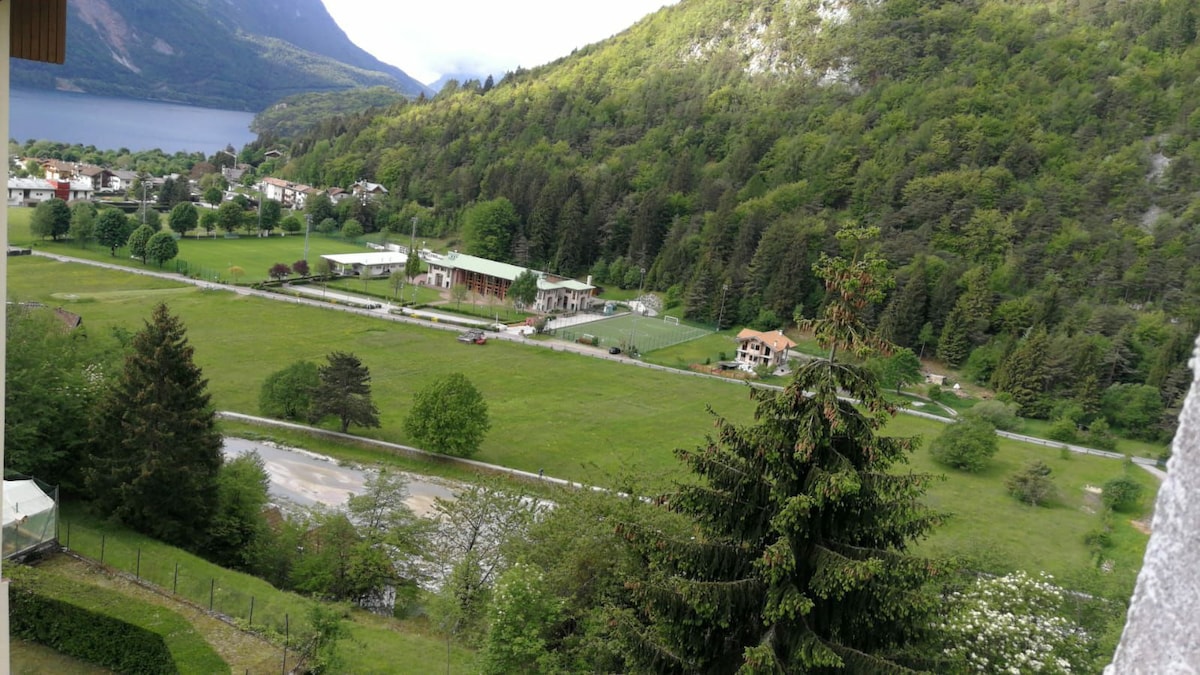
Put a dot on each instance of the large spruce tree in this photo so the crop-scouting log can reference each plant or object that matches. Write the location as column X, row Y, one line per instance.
column 799, row 559
column 157, row 449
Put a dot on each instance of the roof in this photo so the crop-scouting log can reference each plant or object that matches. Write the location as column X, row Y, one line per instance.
column 491, row 268
column 373, row 258
column 24, row 498
column 43, row 184
column 368, row 186
column 125, row 175
column 774, row 339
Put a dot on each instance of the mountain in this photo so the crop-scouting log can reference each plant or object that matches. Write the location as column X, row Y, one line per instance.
column 237, row 54
column 459, row 77
column 1032, row 168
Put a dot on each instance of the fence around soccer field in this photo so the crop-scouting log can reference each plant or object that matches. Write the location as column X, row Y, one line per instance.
column 646, row 333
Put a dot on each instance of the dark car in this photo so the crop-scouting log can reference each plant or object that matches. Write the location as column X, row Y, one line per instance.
column 614, row 350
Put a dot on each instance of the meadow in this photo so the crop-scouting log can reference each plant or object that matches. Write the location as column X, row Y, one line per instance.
column 206, row 257
column 586, row 419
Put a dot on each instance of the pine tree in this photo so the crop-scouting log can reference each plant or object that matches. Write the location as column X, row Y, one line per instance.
column 344, row 391
column 157, row 449
column 799, row 561
column 1023, row 374
column 954, row 345
column 905, row 315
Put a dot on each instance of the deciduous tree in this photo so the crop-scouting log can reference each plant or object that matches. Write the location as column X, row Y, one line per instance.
column 488, row 228
column 449, row 416
column 183, row 218
column 300, row 267
column 156, row 448
column 524, row 289
column 352, row 230
column 230, row 216
column 288, row 393
column 161, row 247
column 344, row 391
column 51, row 218
column 279, row 271
column 83, row 222
column 967, row 444
column 110, row 230
column 138, row 240
column 238, row 524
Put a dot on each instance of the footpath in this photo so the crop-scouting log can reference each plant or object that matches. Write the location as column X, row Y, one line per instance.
column 382, row 312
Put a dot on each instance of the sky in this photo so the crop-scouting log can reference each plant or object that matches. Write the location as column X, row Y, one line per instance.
column 485, row 37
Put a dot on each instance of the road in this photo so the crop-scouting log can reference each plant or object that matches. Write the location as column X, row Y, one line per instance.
column 307, row 479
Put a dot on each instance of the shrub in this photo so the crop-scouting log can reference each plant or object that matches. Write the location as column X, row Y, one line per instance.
column 1063, row 429
column 1122, row 493
column 966, row 445
column 1032, row 484
column 1012, row 624
column 997, row 413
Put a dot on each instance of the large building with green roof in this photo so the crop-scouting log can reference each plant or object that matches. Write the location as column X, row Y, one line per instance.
column 491, row 278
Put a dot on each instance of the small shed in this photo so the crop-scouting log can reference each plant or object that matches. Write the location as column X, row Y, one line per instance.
column 30, row 516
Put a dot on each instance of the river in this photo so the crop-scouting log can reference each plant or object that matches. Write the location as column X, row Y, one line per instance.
column 114, row 123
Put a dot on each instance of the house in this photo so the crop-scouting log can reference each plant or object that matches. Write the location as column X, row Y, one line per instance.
column 290, row 195
column 365, row 190
column 374, row 264
column 762, row 349
column 234, row 174
column 272, row 154
column 30, row 191
column 57, row 169
column 337, row 194
column 121, row 181
column 491, row 278
column 100, row 177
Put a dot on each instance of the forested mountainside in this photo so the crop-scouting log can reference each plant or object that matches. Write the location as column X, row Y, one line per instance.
column 237, row 54
column 1032, row 167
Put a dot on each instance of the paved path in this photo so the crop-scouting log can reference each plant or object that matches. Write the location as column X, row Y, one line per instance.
column 307, row 478
column 556, row 345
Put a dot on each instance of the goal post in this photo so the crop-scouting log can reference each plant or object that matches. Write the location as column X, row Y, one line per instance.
column 672, row 320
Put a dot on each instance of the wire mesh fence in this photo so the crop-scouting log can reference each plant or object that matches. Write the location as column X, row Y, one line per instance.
column 277, row 615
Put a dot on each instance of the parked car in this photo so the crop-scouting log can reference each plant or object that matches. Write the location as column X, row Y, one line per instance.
column 614, row 350
column 473, row 336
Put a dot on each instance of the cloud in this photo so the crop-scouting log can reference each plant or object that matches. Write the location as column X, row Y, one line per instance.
column 429, row 39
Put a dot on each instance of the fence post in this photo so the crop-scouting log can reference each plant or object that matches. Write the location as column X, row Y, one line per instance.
column 285, row 642
column 68, row 534
column 175, row 581
column 212, row 588
column 138, row 570
column 251, row 621
column 101, row 548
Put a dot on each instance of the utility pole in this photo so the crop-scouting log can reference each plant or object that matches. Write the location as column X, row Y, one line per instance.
column 721, row 313
column 641, row 307
column 307, row 227
column 143, row 177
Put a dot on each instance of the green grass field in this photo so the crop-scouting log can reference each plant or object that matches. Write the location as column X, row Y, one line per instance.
column 206, row 258
column 579, row 418
column 648, row 333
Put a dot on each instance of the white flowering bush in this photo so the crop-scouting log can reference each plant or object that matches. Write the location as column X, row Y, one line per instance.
column 1012, row 624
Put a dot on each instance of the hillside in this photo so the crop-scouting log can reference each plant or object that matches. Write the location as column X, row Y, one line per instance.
column 236, row 54
column 1030, row 165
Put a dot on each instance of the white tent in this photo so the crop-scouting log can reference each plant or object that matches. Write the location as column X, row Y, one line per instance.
column 29, row 516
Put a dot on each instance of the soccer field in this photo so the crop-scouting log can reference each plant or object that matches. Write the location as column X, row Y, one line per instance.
column 646, row 333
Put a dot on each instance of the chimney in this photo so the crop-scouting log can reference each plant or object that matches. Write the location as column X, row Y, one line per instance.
column 589, row 280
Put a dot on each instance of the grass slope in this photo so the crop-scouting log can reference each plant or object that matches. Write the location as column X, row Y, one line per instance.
column 376, row 642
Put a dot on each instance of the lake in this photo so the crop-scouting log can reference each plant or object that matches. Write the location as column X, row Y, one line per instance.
column 113, row 123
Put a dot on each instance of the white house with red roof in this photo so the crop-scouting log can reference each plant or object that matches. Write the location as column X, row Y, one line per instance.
column 762, row 349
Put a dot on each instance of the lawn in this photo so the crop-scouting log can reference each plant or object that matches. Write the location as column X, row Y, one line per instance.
column 382, row 289
column 579, row 418
column 206, row 258
column 648, row 333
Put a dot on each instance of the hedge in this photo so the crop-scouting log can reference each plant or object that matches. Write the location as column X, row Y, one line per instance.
column 105, row 627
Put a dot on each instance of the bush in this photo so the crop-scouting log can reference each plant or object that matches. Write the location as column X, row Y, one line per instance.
column 1122, row 493
column 1032, row 484
column 997, row 413
column 1063, row 429
column 966, row 445
column 1012, row 624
